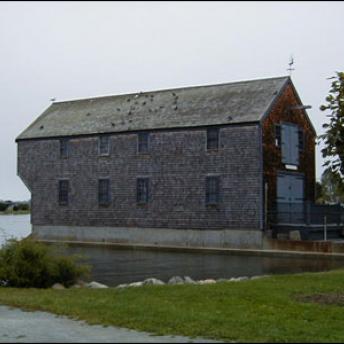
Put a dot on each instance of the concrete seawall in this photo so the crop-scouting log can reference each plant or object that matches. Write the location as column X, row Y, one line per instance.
column 239, row 239
column 239, row 242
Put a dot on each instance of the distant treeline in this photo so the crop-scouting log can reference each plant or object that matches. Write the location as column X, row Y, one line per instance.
column 10, row 206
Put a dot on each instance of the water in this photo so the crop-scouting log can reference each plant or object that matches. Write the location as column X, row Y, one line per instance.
column 14, row 226
column 114, row 266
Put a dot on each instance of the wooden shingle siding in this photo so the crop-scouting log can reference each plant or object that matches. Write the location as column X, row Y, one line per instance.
column 177, row 167
column 275, row 160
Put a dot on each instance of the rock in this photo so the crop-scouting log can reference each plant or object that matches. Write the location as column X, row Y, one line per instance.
column 188, row 280
column 259, row 277
column 81, row 283
column 58, row 286
column 295, row 235
column 221, row 280
column 122, row 286
column 243, row 278
column 176, row 280
column 135, row 284
column 153, row 281
column 96, row 285
column 76, row 286
column 207, row 281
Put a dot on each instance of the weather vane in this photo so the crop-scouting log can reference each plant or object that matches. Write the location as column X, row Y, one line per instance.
column 291, row 63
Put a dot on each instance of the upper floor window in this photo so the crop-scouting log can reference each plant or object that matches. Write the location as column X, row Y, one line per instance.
column 290, row 140
column 142, row 190
column 143, row 142
column 212, row 196
column 301, row 140
column 104, row 191
column 63, row 148
column 212, row 138
column 278, row 135
column 104, row 145
column 63, row 192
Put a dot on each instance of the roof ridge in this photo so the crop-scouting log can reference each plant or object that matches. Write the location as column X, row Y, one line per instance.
column 234, row 83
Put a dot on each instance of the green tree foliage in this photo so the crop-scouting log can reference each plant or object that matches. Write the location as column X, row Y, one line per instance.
column 319, row 192
column 333, row 138
column 3, row 206
column 29, row 264
column 332, row 188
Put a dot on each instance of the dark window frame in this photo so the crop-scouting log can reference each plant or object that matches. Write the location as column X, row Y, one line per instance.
column 142, row 190
column 212, row 190
column 301, row 142
column 104, row 194
column 64, row 148
column 213, row 139
column 143, row 140
column 63, row 192
column 278, row 135
column 106, row 144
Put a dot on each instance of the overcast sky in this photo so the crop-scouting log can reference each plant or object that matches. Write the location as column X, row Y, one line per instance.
column 75, row 50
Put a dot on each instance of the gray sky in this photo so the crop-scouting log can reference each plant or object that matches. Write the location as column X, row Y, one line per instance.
column 77, row 50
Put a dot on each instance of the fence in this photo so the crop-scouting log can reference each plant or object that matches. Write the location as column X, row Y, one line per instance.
column 306, row 213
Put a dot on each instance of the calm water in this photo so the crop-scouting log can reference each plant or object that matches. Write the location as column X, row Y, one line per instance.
column 14, row 226
column 114, row 266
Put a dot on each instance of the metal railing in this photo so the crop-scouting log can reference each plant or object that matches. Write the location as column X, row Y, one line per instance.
column 306, row 213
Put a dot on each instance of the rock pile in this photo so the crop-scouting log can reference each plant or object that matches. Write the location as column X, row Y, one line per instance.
column 175, row 280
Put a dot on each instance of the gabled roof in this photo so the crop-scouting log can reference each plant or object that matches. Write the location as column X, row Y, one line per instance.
column 230, row 103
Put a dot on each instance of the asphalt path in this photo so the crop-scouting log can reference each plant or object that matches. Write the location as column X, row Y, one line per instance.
column 18, row 326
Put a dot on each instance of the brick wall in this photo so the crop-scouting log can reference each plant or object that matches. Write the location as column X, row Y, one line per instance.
column 177, row 166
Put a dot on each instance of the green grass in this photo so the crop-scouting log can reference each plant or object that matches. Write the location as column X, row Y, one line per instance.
column 264, row 310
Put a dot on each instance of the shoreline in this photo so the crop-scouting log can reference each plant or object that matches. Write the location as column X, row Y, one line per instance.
column 205, row 250
column 15, row 213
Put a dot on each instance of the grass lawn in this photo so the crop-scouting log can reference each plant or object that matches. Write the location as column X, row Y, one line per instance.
column 289, row 308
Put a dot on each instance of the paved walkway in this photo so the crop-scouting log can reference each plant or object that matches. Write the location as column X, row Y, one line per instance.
column 39, row 327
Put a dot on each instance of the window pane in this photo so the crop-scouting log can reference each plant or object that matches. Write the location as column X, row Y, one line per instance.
column 212, row 138
column 143, row 140
column 104, row 145
column 142, row 194
column 64, row 148
column 212, row 190
column 63, row 192
column 104, row 191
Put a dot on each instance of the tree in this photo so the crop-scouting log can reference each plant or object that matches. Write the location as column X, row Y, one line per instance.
column 333, row 138
column 332, row 188
column 319, row 197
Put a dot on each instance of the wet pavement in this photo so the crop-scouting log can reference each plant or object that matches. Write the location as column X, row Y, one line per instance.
column 17, row 326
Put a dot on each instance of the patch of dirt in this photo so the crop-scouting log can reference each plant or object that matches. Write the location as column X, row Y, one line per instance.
column 323, row 299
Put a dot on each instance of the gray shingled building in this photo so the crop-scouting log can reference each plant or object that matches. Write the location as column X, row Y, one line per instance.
column 188, row 166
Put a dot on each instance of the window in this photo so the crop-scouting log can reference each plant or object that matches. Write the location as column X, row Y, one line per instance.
column 63, row 192
column 143, row 143
column 290, row 143
column 301, row 140
column 142, row 190
column 104, row 145
column 212, row 190
column 212, row 138
column 278, row 135
column 103, row 191
column 64, row 148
